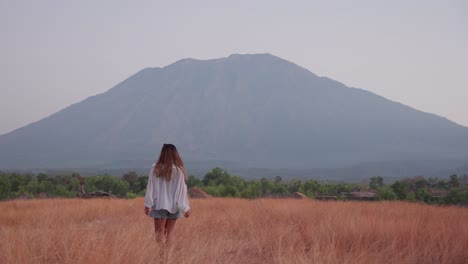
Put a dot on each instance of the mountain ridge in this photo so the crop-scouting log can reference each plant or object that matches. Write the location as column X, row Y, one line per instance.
column 277, row 112
column 223, row 58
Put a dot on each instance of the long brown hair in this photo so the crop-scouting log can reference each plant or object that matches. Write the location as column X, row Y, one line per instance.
column 168, row 157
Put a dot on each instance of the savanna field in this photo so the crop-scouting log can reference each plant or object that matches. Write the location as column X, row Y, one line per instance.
column 233, row 231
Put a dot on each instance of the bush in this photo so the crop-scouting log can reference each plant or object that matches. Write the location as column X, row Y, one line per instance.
column 130, row 196
column 385, row 193
column 423, row 195
column 252, row 191
column 62, row 191
column 212, row 190
column 193, row 182
column 457, row 196
column 108, row 183
column 399, row 189
column 5, row 187
column 411, row 197
column 230, row 191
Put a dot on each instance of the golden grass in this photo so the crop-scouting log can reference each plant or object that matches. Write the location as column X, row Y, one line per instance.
column 233, row 231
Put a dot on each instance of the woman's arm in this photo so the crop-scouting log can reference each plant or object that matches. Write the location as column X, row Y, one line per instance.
column 149, row 195
column 181, row 195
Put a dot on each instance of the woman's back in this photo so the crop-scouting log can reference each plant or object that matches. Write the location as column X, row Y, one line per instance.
column 169, row 194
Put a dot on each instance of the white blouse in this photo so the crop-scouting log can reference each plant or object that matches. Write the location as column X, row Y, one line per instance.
column 170, row 195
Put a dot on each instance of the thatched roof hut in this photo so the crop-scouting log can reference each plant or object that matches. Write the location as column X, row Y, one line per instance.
column 439, row 193
column 362, row 196
column 326, row 197
column 299, row 195
column 97, row 194
column 196, row 192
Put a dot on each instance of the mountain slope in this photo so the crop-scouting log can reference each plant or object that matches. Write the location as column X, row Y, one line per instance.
column 257, row 110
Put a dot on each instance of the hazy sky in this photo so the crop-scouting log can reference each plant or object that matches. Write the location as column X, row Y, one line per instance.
column 56, row 53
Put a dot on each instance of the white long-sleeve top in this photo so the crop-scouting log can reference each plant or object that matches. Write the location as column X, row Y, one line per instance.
column 170, row 195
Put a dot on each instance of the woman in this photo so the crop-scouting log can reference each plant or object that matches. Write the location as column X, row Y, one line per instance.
column 166, row 193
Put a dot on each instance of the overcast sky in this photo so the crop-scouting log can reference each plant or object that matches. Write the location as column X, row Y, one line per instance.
column 56, row 53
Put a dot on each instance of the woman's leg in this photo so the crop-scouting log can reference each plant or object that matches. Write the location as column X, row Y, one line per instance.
column 159, row 229
column 169, row 227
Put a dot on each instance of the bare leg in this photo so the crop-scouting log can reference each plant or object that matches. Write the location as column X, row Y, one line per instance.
column 169, row 227
column 159, row 229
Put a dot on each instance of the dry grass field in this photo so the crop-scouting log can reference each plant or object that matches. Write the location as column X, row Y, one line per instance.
column 233, row 231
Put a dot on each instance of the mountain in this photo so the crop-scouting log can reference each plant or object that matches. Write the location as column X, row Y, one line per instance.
column 248, row 110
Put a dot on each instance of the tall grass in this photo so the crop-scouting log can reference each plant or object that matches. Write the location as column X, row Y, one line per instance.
column 233, row 231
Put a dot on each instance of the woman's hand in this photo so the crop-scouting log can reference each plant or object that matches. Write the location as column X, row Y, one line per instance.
column 146, row 210
column 187, row 214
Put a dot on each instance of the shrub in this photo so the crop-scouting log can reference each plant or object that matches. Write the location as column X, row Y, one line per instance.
column 385, row 193
column 130, row 195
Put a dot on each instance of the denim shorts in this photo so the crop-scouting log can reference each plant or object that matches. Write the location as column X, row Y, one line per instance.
column 165, row 214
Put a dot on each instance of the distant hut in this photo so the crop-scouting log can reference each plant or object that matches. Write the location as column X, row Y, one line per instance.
column 440, row 194
column 326, row 197
column 361, row 196
column 299, row 195
column 97, row 194
column 196, row 192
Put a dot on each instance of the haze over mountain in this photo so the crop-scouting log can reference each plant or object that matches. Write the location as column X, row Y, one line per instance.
column 251, row 110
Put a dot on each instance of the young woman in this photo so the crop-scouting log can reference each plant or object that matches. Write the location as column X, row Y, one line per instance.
column 166, row 193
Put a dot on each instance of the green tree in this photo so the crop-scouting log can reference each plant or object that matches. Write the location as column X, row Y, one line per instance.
column 216, row 176
column 212, row 190
column 457, row 196
column 345, row 188
column 441, row 184
column 411, row 197
column 33, row 187
column 424, row 195
column 61, row 190
column 5, row 186
column 279, row 189
column 413, row 184
column 41, row 177
column 399, row 189
column 311, row 188
column 107, row 183
column 295, row 186
column 266, row 186
column 454, row 181
column 278, row 179
column 73, row 184
column 419, row 183
column 140, row 185
column 47, row 186
column 193, row 182
column 464, row 180
column 385, row 193
column 432, row 181
column 375, row 182
column 252, row 190
column 230, row 191
column 19, row 182
column 120, row 188
column 237, row 182
column 328, row 189
column 130, row 177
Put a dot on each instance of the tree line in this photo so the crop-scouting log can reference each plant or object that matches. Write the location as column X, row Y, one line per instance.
column 28, row 185
column 220, row 183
